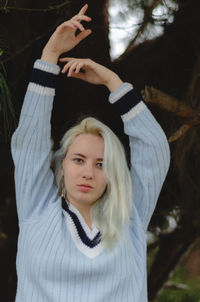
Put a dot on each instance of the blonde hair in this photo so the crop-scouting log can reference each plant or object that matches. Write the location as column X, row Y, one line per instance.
column 113, row 209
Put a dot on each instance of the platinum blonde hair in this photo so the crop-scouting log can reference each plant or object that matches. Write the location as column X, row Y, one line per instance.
column 113, row 209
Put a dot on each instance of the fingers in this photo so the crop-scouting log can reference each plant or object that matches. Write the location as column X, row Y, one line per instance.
column 81, row 15
column 73, row 65
column 66, row 59
column 70, row 59
column 78, row 67
column 72, row 69
column 78, row 25
column 83, row 9
column 83, row 35
column 73, row 24
column 76, row 21
column 68, row 65
column 81, row 18
column 67, row 24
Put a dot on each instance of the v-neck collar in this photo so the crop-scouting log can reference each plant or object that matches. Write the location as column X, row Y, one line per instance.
column 87, row 240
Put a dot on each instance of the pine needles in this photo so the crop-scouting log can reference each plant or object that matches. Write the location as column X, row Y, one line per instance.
column 7, row 112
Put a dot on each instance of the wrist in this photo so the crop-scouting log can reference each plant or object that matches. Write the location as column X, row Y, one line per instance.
column 114, row 83
column 49, row 57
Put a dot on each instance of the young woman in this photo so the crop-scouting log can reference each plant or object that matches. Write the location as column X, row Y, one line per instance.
column 83, row 229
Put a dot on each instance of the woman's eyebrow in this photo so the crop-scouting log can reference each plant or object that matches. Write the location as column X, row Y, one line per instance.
column 83, row 156
column 79, row 154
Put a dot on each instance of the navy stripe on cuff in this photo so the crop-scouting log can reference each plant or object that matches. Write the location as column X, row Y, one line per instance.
column 43, row 78
column 127, row 102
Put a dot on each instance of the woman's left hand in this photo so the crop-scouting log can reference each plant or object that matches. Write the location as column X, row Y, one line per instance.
column 64, row 37
column 92, row 72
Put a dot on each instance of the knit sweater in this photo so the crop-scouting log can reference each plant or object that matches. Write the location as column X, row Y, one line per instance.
column 58, row 259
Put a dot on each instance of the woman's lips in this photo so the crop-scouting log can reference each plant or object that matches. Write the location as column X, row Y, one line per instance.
column 85, row 188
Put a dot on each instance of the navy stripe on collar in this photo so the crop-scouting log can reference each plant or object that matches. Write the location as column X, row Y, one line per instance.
column 83, row 236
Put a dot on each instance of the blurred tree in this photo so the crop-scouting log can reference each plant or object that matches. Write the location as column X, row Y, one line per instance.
column 169, row 62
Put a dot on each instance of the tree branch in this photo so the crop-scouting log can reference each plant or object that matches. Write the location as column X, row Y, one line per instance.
column 6, row 8
column 190, row 116
column 171, row 104
column 173, row 285
column 147, row 16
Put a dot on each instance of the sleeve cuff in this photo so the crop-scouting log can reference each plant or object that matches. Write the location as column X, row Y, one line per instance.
column 124, row 99
column 122, row 90
column 48, row 67
column 44, row 74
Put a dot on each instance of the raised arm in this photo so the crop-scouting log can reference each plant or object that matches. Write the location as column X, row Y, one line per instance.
column 148, row 143
column 31, row 143
column 150, row 154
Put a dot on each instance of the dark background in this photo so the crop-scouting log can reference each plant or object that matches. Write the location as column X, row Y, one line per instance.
column 169, row 62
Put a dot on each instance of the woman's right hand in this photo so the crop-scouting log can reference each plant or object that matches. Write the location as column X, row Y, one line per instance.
column 64, row 38
column 92, row 72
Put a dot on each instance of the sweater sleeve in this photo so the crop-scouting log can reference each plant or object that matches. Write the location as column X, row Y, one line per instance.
column 149, row 148
column 31, row 144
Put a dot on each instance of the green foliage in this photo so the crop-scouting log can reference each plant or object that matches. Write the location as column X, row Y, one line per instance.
column 177, row 295
column 169, row 295
column 181, row 295
column 179, row 275
column 6, row 107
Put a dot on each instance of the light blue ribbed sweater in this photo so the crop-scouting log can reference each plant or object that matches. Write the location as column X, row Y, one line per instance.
column 52, row 264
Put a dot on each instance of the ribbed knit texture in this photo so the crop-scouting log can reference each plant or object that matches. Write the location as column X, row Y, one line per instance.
column 50, row 267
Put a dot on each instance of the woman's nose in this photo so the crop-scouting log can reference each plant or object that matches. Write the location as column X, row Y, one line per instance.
column 88, row 172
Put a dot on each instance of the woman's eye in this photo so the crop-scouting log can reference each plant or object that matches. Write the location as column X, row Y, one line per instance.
column 100, row 165
column 78, row 160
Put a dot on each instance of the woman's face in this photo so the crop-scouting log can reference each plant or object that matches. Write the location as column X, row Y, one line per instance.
column 82, row 169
